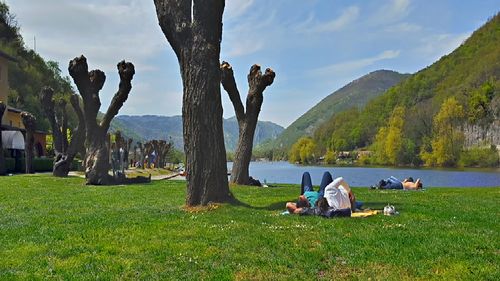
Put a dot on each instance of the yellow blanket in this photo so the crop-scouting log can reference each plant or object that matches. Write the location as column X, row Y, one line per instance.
column 364, row 214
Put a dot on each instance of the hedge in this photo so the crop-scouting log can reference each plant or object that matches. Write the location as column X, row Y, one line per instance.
column 39, row 165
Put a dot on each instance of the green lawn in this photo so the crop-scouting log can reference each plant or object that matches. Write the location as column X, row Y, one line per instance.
column 60, row 229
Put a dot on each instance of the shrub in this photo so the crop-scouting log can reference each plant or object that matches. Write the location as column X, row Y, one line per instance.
column 480, row 157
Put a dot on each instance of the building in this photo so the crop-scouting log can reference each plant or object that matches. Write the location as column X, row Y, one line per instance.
column 12, row 128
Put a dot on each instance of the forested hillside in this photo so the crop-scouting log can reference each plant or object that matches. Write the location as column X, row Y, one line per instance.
column 30, row 72
column 355, row 94
column 424, row 119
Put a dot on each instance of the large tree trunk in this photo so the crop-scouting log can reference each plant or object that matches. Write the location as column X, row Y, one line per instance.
column 89, row 84
column 194, row 30
column 29, row 122
column 3, row 171
column 247, row 121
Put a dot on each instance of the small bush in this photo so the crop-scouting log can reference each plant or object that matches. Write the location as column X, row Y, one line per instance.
column 480, row 157
column 43, row 164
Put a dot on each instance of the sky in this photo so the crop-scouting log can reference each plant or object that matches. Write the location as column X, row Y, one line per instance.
column 314, row 46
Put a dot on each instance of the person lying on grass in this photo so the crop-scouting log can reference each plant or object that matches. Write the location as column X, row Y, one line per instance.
column 394, row 183
column 334, row 198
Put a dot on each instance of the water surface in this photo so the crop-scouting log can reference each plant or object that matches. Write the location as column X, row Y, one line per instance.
column 284, row 172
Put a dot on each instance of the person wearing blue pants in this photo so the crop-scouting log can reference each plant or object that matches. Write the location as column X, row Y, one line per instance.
column 394, row 183
column 337, row 201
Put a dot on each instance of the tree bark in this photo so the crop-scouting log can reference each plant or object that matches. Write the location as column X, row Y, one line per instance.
column 3, row 171
column 89, row 84
column 247, row 121
column 29, row 122
column 65, row 152
column 194, row 30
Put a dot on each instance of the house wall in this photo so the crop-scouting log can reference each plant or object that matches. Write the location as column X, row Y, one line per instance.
column 13, row 119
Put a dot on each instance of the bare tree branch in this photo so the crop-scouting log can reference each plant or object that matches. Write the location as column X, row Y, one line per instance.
column 258, row 82
column 229, row 84
column 126, row 71
column 48, row 105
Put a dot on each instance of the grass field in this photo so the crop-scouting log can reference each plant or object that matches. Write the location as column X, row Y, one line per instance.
column 60, row 229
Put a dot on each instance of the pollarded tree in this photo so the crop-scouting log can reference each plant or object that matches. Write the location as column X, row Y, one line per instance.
column 3, row 107
column 194, row 30
column 29, row 122
column 65, row 152
column 247, row 120
column 89, row 84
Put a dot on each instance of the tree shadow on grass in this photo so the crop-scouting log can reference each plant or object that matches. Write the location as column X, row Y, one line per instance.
column 271, row 207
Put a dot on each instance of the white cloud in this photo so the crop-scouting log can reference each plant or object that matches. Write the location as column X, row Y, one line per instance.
column 248, row 36
column 236, row 8
column 395, row 11
column 403, row 27
column 434, row 46
column 348, row 15
column 354, row 65
column 400, row 7
column 105, row 33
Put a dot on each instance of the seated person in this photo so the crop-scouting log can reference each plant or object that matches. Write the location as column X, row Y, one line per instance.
column 394, row 183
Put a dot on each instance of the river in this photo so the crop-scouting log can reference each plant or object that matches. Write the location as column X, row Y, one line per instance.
column 284, row 172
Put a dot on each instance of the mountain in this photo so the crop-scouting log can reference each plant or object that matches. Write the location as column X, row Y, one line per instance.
column 355, row 94
column 148, row 127
column 470, row 75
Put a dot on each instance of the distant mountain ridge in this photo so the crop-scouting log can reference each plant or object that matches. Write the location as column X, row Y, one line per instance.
column 355, row 94
column 462, row 88
column 148, row 127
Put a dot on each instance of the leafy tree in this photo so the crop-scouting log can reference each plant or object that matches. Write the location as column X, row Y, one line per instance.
column 479, row 102
column 30, row 72
column 389, row 141
column 480, row 157
column 302, row 151
column 448, row 139
column 330, row 157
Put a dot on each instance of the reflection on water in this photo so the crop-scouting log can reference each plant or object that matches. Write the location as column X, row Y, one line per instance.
column 284, row 172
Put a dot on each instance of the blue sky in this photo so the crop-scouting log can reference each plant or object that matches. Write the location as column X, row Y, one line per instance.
column 314, row 46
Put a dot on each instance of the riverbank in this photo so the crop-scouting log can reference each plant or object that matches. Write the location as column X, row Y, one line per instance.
column 58, row 228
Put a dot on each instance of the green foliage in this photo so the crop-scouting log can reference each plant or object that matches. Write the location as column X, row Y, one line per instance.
column 479, row 102
column 60, row 229
column 480, row 157
column 330, row 157
column 470, row 75
column 447, row 141
column 176, row 156
column 30, row 73
column 302, row 151
column 355, row 94
column 230, row 156
column 390, row 143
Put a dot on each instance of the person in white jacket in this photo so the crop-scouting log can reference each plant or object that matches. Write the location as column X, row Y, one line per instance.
column 339, row 195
